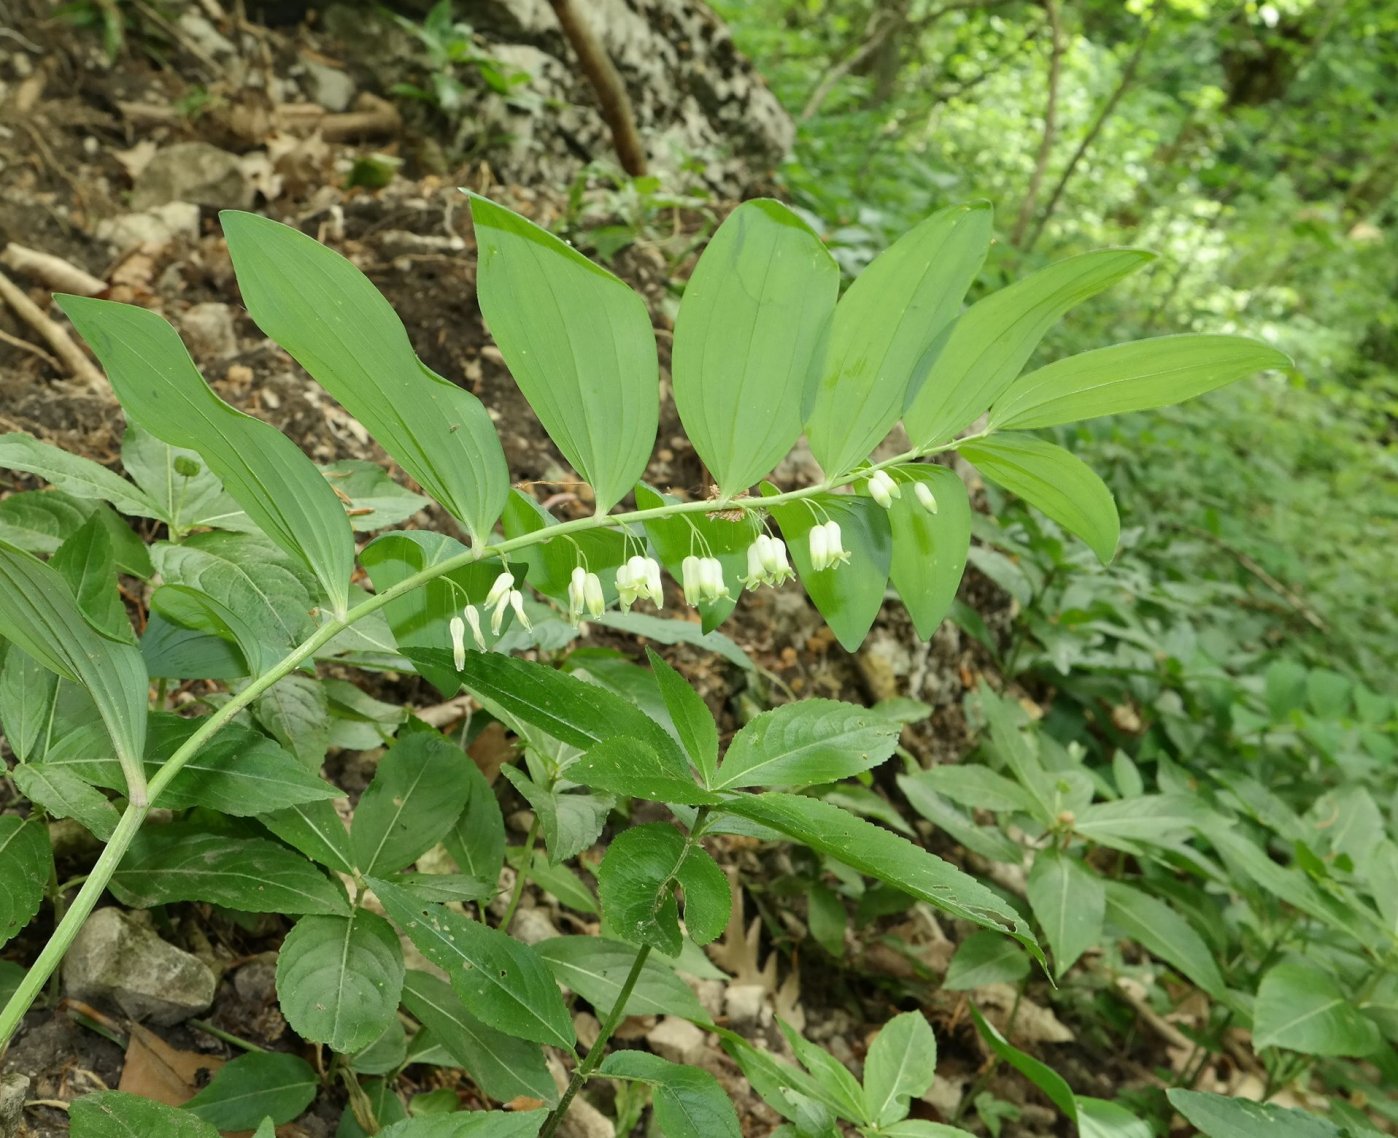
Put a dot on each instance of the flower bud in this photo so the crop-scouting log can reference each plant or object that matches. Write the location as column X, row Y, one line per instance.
column 653, row 589
column 594, row 600
column 458, row 642
column 925, row 497
column 500, row 590
column 883, row 489
column 577, row 585
column 690, row 577
column 820, row 548
column 517, row 603
column 712, row 586
column 473, row 620
column 835, row 552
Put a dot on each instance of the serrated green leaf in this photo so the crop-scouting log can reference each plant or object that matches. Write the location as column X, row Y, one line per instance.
column 887, row 332
column 901, row 1064
column 1130, row 377
column 85, row 561
column 848, row 596
column 579, row 344
column 477, row 841
column 418, row 792
column 929, row 550
column 1070, row 904
column 502, row 1066
column 1054, row 481
column 749, row 340
column 688, row 1102
column 26, row 864
column 178, row 479
column 39, row 615
column 1219, row 1116
column 992, row 341
column 339, row 978
column 693, row 722
column 180, row 863
column 807, row 743
column 296, row 711
column 571, row 821
column 634, row 769
column 63, row 794
column 27, row 691
column 637, row 881
column 882, row 854
column 336, row 324
column 504, row 983
column 1042, row 1076
column 249, row 1087
column 470, row 1124
column 316, row 829
column 1301, row 1007
column 116, row 1114
column 595, row 969
column 266, row 473
column 1164, row 933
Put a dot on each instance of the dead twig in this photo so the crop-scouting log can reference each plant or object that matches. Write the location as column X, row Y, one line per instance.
column 74, row 361
column 33, row 349
column 605, row 80
column 55, row 272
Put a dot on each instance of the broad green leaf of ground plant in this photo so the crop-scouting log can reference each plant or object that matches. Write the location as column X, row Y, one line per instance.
column 1130, row 377
column 626, row 766
column 579, row 343
column 477, row 841
column 807, row 743
column 901, row 1064
column 339, row 978
column 1219, row 1116
column 64, row 795
column 179, row 862
column 985, row 958
column 250, row 1087
column 296, row 712
column 80, row 477
column 749, row 339
column 39, row 616
column 86, row 562
column 1054, row 481
column 26, row 863
column 841, row 1089
column 501, row 1065
column 637, row 881
column 848, row 596
column 1301, row 1007
column 418, row 792
column 884, row 855
column 1164, row 933
column 27, row 691
column 336, row 324
column 472, row 1124
column 316, row 829
column 888, row 329
column 116, row 1114
column 180, row 482
column 929, row 549
column 690, row 715
column 595, row 968
column 993, row 340
column 266, row 473
column 688, row 1102
column 504, row 983
column 1070, row 904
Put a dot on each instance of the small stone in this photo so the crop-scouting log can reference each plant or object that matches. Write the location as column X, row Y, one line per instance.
column 744, row 1004
column 532, row 926
column 14, row 1090
column 677, row 1040
column 203, row 33
column 113, row 958
column 151, row 229
column 209, row 332
column 329, row 86
column 192, row 172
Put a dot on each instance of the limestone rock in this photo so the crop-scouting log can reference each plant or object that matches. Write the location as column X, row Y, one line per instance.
column 116, row 959
column 329, row 86
column 209, row 332
column 677, row 1040
column 14, row 1089
column 192, row 172
column 151, row 229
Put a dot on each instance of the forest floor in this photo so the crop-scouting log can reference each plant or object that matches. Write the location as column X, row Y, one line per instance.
column 118, row 170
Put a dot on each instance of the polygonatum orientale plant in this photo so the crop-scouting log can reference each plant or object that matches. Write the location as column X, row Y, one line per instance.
column 260, row 575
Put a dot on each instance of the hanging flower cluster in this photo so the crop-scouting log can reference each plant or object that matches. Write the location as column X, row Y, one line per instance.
column 883, row 489
column 767, row 562
column 585, row 595
column 702, row 578
column 827, row 546
column 639, row 578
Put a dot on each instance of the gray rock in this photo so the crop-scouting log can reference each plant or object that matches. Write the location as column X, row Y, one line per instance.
column 154, row 228
column 208, row 330
column 677, row 1040
column 329, row 86
column 116, row 959
column 205, row 35
column 192, row 172
column 744, row 1004
column 14, row 1089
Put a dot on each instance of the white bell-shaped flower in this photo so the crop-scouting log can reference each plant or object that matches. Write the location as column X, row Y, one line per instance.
column 926, row 499
column 473, row 621
column 689, row 579
column 517, row 603
column 776, row 567
column 827, row 546
column 458, row 642
column 577, row 593
column 499, row 592
column 594, row 600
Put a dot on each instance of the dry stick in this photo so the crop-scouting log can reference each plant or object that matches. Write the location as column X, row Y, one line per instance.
column 55, row 272
column 78, row 365
column 1031, row 196
column 32, row 349
column 881, row 31
column 1128, row 74
column 606, row 84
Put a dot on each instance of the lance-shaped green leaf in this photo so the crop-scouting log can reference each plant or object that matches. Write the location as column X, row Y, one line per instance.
column 86, row 562
column 1044, row 1077
column 901, row 1065
column 929, row 549
column 339, row 978
column 688, row 1102
column 26, row 862
column 694, row 723
column 1130, row 377
column 504, row 983
column 253, row 1086
column 337, row 325
column 994, row 339
column 888, row 330
column 502, row 1066
column 1163, row 932
column 985, row 958
column 80, row 477
column 748, row 340
column 1220, row 1116
column 161, row 388
column 1070, row 905
column 579, row 343
column 418, row 792
column 1301, row 1007
column 807, row 743
column 595, row 968
column 27, row 693
column 64, row 795
column 884, row 855
column 1054, row 481
column 848, row 596
column 629, row 767
column 39, row 616
column 116, row 1114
